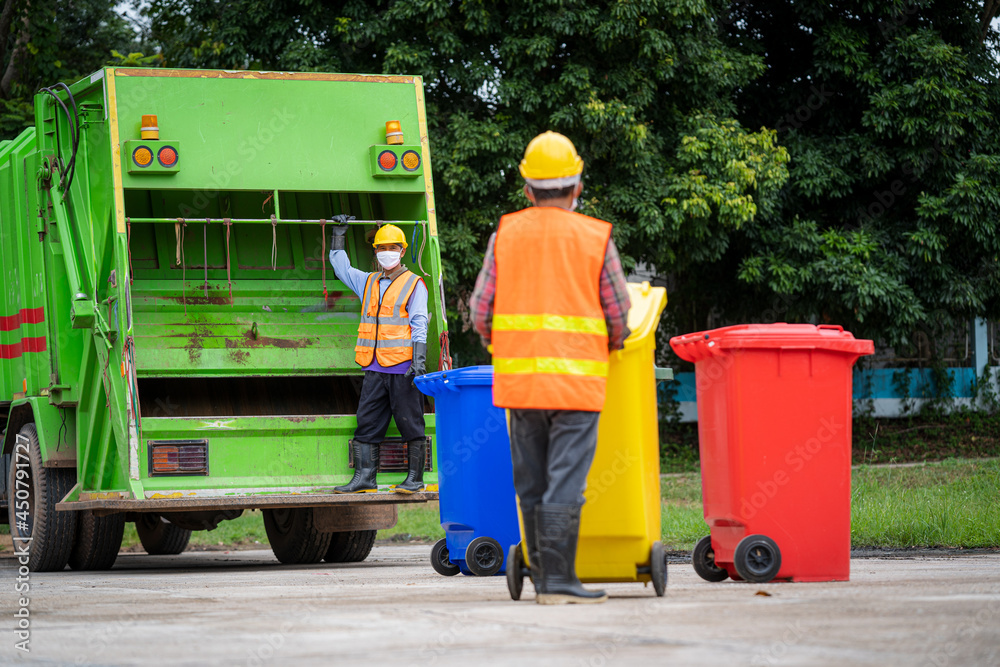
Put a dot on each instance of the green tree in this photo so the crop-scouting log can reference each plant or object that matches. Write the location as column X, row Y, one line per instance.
column 646, row 89
column 889, row 111
column 56, row 40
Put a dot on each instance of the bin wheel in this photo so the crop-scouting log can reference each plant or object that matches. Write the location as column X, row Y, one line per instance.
column 757, row 559
column 484, row 557
column 440, row 562
column 515, row 571
column 658, row 568
column 703, row 560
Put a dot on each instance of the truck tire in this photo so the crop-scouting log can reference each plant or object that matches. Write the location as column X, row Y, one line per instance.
column 350, row 546
column 159, row 537
column 98, row 539
column 34, row 491
column 294, row 537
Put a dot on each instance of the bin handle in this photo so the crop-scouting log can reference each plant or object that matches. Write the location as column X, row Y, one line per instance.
column 686, row 339
column 695, row 347
column 831, row 327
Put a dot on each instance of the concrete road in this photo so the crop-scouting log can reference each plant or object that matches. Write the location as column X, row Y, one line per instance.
column 243, row 608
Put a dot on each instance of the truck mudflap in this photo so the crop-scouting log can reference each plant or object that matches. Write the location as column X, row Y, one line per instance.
column 228, row 499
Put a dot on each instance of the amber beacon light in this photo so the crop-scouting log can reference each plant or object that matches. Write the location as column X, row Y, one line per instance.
column 393, row 133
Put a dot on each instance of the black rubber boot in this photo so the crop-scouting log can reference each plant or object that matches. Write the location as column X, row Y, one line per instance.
column 416, row 451
column 530, row 541
column 365, row 468
column 558, row 529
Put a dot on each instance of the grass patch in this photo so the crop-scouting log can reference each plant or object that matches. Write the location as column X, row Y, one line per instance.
column 954, row 503
column 416, row 522
column 245, row 531
column 678, row 447
column 950, row 504
column 681, row 518
column 420, row 521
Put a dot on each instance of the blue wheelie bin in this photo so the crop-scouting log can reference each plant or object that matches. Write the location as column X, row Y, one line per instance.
column 475, row 478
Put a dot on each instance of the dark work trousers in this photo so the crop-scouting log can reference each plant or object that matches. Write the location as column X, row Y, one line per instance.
column 551, row 451
column 384, row 396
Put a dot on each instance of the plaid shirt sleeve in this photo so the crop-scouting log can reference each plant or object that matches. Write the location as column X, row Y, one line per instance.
column 614, row 298
column 481, row 303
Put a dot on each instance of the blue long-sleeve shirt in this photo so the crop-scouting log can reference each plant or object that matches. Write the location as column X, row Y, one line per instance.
column 416, row 306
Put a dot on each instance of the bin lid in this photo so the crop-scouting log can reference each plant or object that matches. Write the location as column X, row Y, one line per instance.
column 434, row 384
column 783, row 336
column 644, row 316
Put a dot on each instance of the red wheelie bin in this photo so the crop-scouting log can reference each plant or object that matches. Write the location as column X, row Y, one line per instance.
column 774, row 431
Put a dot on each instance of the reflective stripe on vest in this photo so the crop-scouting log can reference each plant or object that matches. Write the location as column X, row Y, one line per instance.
column 522, row 365
column 384, row 332
column 550, row 338
column 570, row 324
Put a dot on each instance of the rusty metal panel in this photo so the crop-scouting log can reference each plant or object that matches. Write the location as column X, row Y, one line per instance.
column 333, row 519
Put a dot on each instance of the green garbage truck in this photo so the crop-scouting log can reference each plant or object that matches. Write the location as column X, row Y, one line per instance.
column 174, row 346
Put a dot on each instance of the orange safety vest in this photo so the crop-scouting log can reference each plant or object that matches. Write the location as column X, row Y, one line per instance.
column 384, row 332
column 550, row 338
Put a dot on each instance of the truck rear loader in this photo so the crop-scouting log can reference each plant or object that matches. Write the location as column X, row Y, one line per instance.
column 174, row 346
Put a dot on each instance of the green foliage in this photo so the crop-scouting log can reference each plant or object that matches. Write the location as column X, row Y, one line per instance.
column 15, row 115
column 52, row 41
column 645, row 89
column 889, row 111
column 135, row 59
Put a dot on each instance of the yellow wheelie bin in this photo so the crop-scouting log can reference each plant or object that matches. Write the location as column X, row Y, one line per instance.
column 620, row 521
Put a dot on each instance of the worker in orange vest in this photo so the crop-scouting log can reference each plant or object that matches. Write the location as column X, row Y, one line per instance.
column 392, row 348
column 552, row 300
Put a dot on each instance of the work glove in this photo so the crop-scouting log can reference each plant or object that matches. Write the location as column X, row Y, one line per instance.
column 419, row 365
column 339, row 231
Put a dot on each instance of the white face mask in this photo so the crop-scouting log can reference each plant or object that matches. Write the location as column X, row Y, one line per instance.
column 572, row 207
column 388, row 258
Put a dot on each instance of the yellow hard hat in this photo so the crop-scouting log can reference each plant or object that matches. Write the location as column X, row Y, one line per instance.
column 389, row 234
column 550, row 155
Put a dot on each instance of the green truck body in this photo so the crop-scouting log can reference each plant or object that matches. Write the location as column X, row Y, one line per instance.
column 171, row 328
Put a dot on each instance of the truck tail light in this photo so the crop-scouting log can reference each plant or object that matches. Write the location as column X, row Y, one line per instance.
column 167, row 156
column 178, row 457
column 387, row 160
column 142, row 156
column 410, row 160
